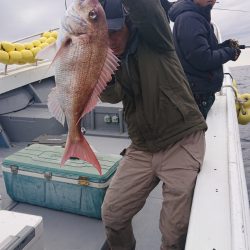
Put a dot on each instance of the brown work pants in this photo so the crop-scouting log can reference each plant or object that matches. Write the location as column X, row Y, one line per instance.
column 138, row 174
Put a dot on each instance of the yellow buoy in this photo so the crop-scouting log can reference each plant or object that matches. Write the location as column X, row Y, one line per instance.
column 36, row 43
column 28, row 45
column 19, row 46
column 4, row 57
column 246, row 99
column 27, row 56
column 42, row 39
column 7, row 46
column 15, row 57
column 244, row 116
column 46, row 34
column 35, row 50
column 21, row 53
column 43, row 45
column 54, row 34
column 50, row 40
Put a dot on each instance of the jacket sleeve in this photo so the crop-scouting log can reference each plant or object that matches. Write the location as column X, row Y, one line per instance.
column 112, row 93
column 194, row 46
column 150, row 19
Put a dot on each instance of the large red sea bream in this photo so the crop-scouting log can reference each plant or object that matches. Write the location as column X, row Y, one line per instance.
column 83, row 64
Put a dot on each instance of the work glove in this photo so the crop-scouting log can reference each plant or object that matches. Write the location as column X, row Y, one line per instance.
column 236, row 54
column 226, row 43
column 231, row 43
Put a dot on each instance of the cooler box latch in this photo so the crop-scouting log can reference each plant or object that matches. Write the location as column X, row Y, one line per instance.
column 14, row 169
column 83, row 181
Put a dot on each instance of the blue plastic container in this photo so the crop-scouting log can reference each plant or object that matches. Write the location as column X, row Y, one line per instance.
column 33, row 175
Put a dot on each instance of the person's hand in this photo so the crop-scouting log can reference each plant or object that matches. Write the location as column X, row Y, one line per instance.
column 226, row 43
column 234, row 44
column 237, row 52
column 231, row 43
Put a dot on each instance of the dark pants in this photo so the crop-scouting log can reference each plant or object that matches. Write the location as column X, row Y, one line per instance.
column 204, row 102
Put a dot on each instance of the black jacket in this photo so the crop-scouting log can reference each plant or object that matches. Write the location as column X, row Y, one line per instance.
column 197, row 46
column 166, row 6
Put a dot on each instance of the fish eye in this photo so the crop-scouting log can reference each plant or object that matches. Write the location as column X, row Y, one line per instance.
column 93, row 15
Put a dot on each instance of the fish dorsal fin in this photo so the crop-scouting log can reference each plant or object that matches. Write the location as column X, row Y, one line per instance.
column 55, row 107
column 109, row 67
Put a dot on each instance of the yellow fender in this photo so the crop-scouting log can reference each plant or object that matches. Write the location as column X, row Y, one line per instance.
column 246, row 99
column 22, row 53
column 4, row 57
column 244, row 116
column 242, row 105
column 243, row 108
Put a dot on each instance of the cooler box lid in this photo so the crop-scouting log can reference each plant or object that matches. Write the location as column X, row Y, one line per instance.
column 39, row 158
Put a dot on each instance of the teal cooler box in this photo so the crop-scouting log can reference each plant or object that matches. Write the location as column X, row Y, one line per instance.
column 33, row 175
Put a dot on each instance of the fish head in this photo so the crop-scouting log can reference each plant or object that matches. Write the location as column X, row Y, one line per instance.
column 84, row 16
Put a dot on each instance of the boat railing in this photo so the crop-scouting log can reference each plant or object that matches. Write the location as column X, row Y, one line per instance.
column 13, row 67
column 15, row 76
column 220, row 216
column 239, row 206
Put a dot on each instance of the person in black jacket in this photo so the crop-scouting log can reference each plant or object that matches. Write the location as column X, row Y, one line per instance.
column 166, row 6
column 198, row 49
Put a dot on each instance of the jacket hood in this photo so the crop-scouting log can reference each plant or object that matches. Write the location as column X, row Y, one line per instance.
column 183, row 6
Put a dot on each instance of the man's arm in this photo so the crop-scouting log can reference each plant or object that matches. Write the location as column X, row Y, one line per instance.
column 112, row 93
column 149, row 18
column 193, row 43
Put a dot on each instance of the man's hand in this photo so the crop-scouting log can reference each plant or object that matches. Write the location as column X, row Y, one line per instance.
column 237, row 52
column 234, row 44
column 231, row 43
column 225, row 43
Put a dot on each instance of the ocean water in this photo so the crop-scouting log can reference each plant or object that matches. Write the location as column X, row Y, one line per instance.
column 242, row 77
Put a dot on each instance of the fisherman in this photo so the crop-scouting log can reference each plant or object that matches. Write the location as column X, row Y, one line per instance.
column 164, row 124
column 198, row 50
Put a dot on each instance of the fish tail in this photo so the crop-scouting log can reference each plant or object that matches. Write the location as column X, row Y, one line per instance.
column 81, row 150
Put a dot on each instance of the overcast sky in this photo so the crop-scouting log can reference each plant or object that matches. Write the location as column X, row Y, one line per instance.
column 23, row 18
column 233, row 24
column 20, row 19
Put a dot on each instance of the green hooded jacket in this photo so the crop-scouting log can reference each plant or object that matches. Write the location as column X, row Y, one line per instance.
column 159, row 108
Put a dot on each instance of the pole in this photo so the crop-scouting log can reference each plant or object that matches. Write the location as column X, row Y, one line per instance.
column 244, row 46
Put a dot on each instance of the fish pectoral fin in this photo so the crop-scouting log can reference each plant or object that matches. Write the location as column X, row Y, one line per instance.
column 82, row 150
column 55, row 107
column 110, row 66
column 48, row 53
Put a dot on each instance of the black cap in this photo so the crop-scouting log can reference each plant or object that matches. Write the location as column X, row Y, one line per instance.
column 114, row 13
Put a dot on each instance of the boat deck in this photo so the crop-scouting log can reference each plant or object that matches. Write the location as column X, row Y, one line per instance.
column 211, row 216
column 65, row 231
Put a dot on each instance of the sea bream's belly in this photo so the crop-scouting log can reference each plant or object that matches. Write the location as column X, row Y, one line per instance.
column 70, row 72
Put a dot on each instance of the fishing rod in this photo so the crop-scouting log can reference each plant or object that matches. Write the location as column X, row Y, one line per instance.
column 235, row 44
column 245, row 11
column 244, row 46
